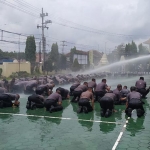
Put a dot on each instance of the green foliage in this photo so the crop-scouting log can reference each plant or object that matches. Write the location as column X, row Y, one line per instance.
column 12, row 55
column 62, row 61
column 48, row 65
column 54, row 56
column 19, row 74
column 30, row 50
column 131, row 49
column 143, row 49
column 72, row 52
column 76, row 66
column 1, row 70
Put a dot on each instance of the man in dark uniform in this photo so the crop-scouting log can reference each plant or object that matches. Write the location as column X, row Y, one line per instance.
column 101, row 89
column 42, row 89
column 92, row 84
column 134, row 102
column 84, row 101
column 141, row 87
column 107, row 104
column 119, row 100
column 124, row 91
column 78, row 91
column 64, row 93
column 31, row 87
column 73, row 87
column 7, row 98
column 35, row 101
column 54, row 102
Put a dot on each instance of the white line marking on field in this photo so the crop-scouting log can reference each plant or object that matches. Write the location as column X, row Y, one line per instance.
column 51, row 117
column 120, row 135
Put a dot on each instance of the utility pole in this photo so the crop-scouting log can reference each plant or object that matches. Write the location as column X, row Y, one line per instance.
column 2, row 35
column 40, row 51
column 19, row 54
column 43, row 26
column 63, row 45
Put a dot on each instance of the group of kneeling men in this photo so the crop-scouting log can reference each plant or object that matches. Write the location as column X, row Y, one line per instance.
column 83, row 95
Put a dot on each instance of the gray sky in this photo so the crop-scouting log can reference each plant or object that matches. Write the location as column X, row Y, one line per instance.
column 104, row 21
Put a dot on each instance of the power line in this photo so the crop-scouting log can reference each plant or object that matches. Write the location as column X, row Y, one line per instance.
column 18, row 8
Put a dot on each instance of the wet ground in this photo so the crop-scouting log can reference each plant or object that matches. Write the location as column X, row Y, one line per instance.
column 39, row 130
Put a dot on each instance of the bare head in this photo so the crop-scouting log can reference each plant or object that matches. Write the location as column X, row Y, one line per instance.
column 104, row 80
column 58, row 91
column 89, row 89
column 85, row 83
column 125, row 87
column 94, row 80
column 142, row 78
column 119, row 87
column 132, row 88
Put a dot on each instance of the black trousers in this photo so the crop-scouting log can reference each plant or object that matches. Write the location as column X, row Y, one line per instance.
column 99, row 94
column 72, row 88
column 49, row 102
column 143, row 92
column 106, row 103
column 6, row 100
column 40, row 91
column 135, row 104
column 85, row 102
column 35, row 99
column 76, row 94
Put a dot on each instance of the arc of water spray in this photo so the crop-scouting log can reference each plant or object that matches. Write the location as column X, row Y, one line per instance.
column 116, row 64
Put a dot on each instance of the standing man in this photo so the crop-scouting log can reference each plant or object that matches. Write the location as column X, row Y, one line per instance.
column 141, row 87
column 101, row 89
column 54, row 102
column 134, row 102
column 84, row 101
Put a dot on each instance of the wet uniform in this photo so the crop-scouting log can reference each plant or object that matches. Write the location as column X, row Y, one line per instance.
column 42, row 89
column 134, row 102
column 107, row 102
column 77, row 92
column 92, row 85
column 84, row 100
column 100, row 90
column 118, row 97
column 19, row 87
column 30, row 87
column 3, row 90
column 63, row 92
column 141, row 87
column 35, row 100
column 73, row 87
column 7, row 98
column 53, row 100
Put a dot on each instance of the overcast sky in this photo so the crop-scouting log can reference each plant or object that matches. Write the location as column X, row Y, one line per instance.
column 96, row 22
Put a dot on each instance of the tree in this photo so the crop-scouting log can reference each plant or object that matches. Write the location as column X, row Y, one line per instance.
column 30, row 51
column 72, row 52
column 62, row 61
column 131, row 49
column 48, row 65
column 76, row 66
column 143, row 49
column 54, row 56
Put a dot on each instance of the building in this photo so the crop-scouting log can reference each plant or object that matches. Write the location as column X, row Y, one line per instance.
column 148, row 43
column 38, row 57
column 81, row 56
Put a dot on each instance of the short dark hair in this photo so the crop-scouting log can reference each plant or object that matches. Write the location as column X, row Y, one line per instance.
column 132, row 88
column 125, row 87
column 103, row 80
column 93, row 79
column 119, row 86
column 141, row 78
column 85, row 83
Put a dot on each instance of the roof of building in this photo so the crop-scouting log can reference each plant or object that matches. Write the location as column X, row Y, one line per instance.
column 147, row 42
column 78, row 52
